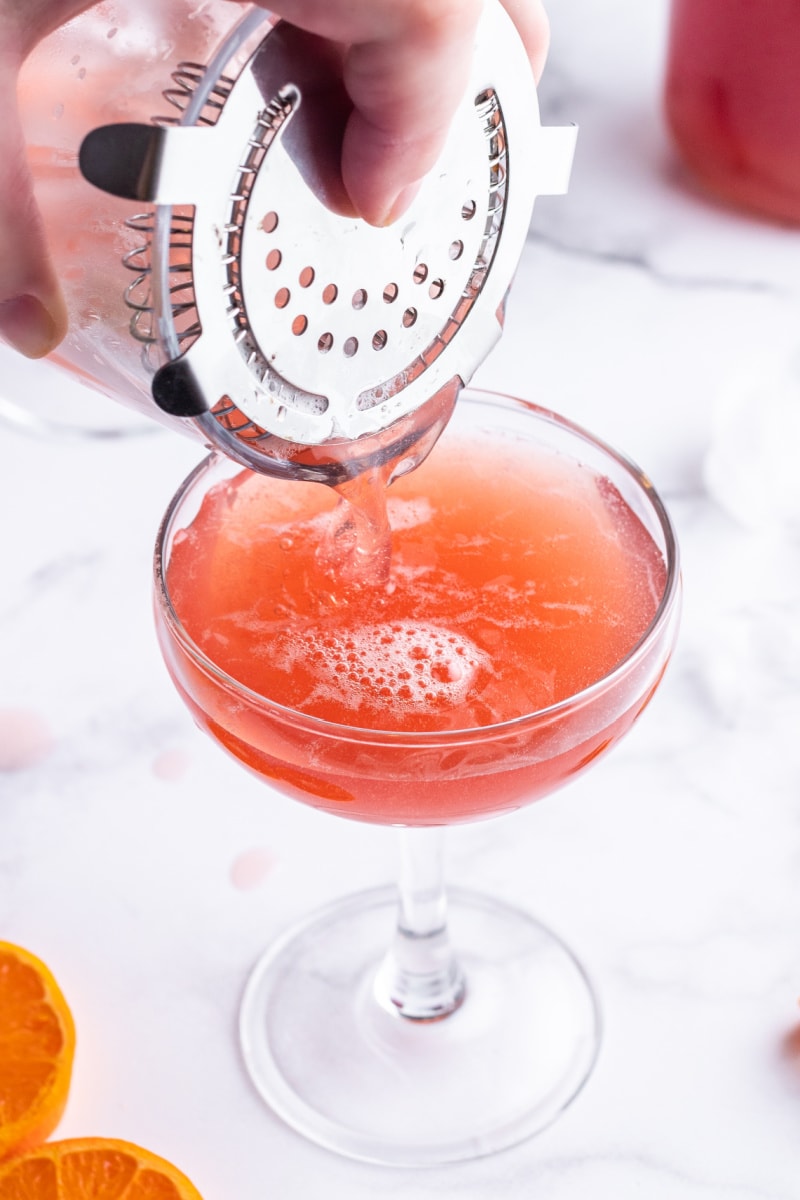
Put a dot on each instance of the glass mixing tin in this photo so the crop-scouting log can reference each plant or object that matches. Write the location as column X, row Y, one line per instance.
column 181, row 156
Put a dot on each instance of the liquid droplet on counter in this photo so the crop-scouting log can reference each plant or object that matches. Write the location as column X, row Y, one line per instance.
column 171, row 765
column 251, row 868
column 25, row 739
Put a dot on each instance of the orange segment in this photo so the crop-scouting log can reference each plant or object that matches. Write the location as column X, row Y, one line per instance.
column 37, row 1043
column 93, row 1169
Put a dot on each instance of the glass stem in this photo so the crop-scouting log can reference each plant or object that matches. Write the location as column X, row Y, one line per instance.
column 420, row 978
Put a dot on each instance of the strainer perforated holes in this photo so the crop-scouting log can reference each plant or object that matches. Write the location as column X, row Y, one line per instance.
column 277, row 273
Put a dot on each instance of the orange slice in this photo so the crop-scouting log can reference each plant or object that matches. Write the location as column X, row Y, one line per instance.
column 92, row 1169
column 37, row 1043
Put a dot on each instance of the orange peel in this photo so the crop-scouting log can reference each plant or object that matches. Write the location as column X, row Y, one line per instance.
column 93, row 1169
column 37, row 1045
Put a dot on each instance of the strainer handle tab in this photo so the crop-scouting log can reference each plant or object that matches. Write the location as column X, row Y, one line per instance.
column 553, row 153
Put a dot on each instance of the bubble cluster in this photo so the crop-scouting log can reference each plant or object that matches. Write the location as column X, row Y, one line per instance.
column 409, row 665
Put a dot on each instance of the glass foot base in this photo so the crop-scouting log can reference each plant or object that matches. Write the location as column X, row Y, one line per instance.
column 360, row 1079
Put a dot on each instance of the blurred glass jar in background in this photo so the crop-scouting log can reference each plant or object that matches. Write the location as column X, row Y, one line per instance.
column 732, row 99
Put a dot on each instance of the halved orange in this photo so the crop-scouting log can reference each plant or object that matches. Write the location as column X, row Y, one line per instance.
column 93, row 1169
column 37, row 1044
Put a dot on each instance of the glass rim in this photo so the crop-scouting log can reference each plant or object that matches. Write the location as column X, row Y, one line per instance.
column 321, row 727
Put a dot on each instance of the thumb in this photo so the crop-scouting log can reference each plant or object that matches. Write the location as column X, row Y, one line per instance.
column 33, row 316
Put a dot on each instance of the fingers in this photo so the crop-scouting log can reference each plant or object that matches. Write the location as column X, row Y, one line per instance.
column 33, row 316
column 406, row 65
column 531, row 21
column 405, row 90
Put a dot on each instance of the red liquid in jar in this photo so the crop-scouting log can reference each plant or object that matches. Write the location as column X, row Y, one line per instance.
column 518, row 578
column 733, row 99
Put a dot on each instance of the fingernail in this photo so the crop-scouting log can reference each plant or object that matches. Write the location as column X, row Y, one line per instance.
column 27, row 326
column 398, row 206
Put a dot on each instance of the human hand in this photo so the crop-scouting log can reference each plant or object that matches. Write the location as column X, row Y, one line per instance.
column 33, row 318
column 405, row 64
column 405, row 67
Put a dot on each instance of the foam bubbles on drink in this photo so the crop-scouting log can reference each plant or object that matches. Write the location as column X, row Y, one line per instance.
column 416, row 666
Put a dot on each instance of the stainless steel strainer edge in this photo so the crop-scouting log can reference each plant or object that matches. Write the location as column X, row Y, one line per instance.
column 322, row 375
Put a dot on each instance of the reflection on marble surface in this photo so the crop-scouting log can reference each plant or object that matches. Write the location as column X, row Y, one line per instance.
column 150, row 872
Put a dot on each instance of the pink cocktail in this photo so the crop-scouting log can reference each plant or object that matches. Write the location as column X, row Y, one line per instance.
column 511, row 628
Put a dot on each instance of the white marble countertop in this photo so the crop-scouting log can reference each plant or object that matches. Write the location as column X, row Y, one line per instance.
column 149, row 871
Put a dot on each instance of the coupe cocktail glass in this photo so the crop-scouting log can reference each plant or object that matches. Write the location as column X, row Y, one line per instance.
column 413, row 1028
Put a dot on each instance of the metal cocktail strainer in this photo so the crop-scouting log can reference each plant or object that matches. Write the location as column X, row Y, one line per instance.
column 301, row 341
